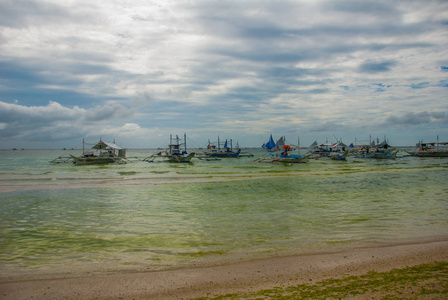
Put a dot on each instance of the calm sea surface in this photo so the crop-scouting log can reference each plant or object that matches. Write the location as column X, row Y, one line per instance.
column 149, row 216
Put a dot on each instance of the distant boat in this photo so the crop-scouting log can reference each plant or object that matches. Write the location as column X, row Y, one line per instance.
column 100, row 153
column 216, row 151
column 435, row 149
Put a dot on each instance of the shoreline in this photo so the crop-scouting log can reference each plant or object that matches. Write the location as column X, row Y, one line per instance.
column 241, row 277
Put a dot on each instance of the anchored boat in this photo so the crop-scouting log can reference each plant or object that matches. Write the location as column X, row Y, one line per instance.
column 285, row 155
column 100, row 153
column 176, row 152
column 435, row 149
column 216, row 151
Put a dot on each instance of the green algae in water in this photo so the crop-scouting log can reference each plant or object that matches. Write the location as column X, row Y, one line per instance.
column 210, row 210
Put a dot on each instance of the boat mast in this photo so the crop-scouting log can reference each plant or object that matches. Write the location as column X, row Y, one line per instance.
column 218, row 145
column 185, row 142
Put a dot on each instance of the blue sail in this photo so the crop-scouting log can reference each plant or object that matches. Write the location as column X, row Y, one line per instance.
column 269, row 145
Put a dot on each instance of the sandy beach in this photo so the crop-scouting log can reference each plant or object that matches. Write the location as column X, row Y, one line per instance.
column 240, row 278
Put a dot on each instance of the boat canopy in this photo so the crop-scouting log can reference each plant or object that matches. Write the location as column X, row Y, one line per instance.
column 103, row 145
column 383, row 144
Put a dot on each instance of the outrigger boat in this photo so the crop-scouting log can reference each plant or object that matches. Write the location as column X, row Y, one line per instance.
column 100, row 153
column 215, row 151
column 437, row 149
column 336, row 151
column 176, row 152
column 284, row 156
column 379, row 151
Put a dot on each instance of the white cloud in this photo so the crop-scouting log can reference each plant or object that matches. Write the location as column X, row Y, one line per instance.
column 208, row 66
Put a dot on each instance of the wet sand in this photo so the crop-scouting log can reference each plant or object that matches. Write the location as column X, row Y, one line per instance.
column 239, row 277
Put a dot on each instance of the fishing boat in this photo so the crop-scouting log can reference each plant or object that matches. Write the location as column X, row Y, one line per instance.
column 284, row 156
column 216, row 151
column 176, row 152
column 436, row 149
column 101, row 153
column 335, row 151
column 376, row 150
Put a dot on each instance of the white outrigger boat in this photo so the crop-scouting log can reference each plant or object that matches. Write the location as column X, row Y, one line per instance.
column 335, row 151
column 435, row 149
column 176, row 152
column 101, row 153
column 375, row 150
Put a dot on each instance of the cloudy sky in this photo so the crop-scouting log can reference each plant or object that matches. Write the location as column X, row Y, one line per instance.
column 138, row 70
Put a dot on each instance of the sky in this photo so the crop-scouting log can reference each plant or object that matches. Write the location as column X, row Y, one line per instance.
column 137, row 71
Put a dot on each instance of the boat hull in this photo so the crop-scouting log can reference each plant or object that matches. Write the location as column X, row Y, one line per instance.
column 430, row 154
column 228, row 154
column 388, row 155
column 183, row 158
column 95, row 160
column 290, row 159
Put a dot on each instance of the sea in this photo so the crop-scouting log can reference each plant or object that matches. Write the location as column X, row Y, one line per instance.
column 68, row 220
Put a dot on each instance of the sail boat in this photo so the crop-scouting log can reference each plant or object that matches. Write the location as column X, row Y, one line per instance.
column 284, row 155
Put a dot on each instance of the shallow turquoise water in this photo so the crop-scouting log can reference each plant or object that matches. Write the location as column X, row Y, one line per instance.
column 148, row 216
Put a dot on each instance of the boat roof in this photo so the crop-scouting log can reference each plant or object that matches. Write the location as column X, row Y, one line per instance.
column 333, row 145
column 104, row 145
